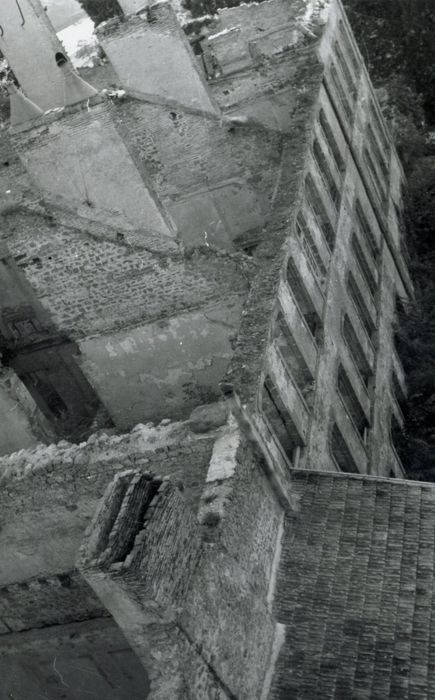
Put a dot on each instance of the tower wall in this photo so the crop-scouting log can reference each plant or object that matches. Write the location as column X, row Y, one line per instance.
column 152, row 58
column 199, row 596
column 30, row 44
column 79, row 161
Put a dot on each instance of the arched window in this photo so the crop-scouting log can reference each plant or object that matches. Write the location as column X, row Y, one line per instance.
column 60, row 59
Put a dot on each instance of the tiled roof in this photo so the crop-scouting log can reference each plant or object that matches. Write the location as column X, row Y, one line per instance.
column 356, row 590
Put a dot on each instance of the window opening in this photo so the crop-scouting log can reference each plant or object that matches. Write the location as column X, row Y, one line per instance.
column 352, row 405
column 379, row 127
column 329, row 137
column 350, row 83
column 60, row 59
column 380, row 157
column 347, row 109
column 363, row 265
column 379, row 186
column 345, row 40
column 309, row 246
column 45, row 390
column 399, row 317
column 361, row 307
column 341, row 453
column 303, row 300
column 398, row 392
column 294, row 359
column 366, row 230
column 325, row 172
column 279, row 419
column 356, row 351
column 396, row 433
column 314, row 200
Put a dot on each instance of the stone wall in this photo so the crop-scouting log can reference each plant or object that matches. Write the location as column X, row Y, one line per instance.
column 91, row 280
column 154, row 325
column 46, row 601
column 198, row 596
column 48, row 494
column 164, row 369
column 154, row 38
column 78, row 161
column 215, row 177
column 78, row 660
column 219, row 571
column 248, row 361
column 27, row 32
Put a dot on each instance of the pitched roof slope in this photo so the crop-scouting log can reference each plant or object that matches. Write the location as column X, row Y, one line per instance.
column 356, row 590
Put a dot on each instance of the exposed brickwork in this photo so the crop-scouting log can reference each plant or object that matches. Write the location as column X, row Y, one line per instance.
column 155, row 37
column 49, row 494
column 99, row 455
column 91, row 284
column 26, row 29
column 190, row 590
column 90, row 658
column 46, row 601
column 355, row 590
column 200, row 224
column 15, row 184
column 244, row 503
column 247, row 363
column 251, row 54
column 177, row 151
column 149, row 565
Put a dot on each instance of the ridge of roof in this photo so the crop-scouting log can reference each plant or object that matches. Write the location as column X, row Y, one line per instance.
column 296, row 475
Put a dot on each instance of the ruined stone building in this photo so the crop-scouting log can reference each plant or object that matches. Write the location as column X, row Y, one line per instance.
column 201, row 262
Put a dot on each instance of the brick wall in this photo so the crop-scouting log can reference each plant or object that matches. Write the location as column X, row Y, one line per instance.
column 250, row 54
column 86, row 659
column 46, row 601
column 49, row 494
column 15, row 184
column 247, row 364
column 144, row 555
column 155, row 39
column 239, row 510
column 77, row 160
column 91, row 282
column 213, row 176
column 41, row 79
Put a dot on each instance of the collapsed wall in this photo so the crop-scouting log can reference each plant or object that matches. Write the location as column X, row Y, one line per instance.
column 206, row 553
column 49, row 493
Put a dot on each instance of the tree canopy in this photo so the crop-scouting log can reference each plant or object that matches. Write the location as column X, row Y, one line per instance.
column 396, row 38
column 100, row 10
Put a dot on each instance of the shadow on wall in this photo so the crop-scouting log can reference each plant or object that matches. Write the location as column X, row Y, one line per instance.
column 90, row 659
column 43, row 359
